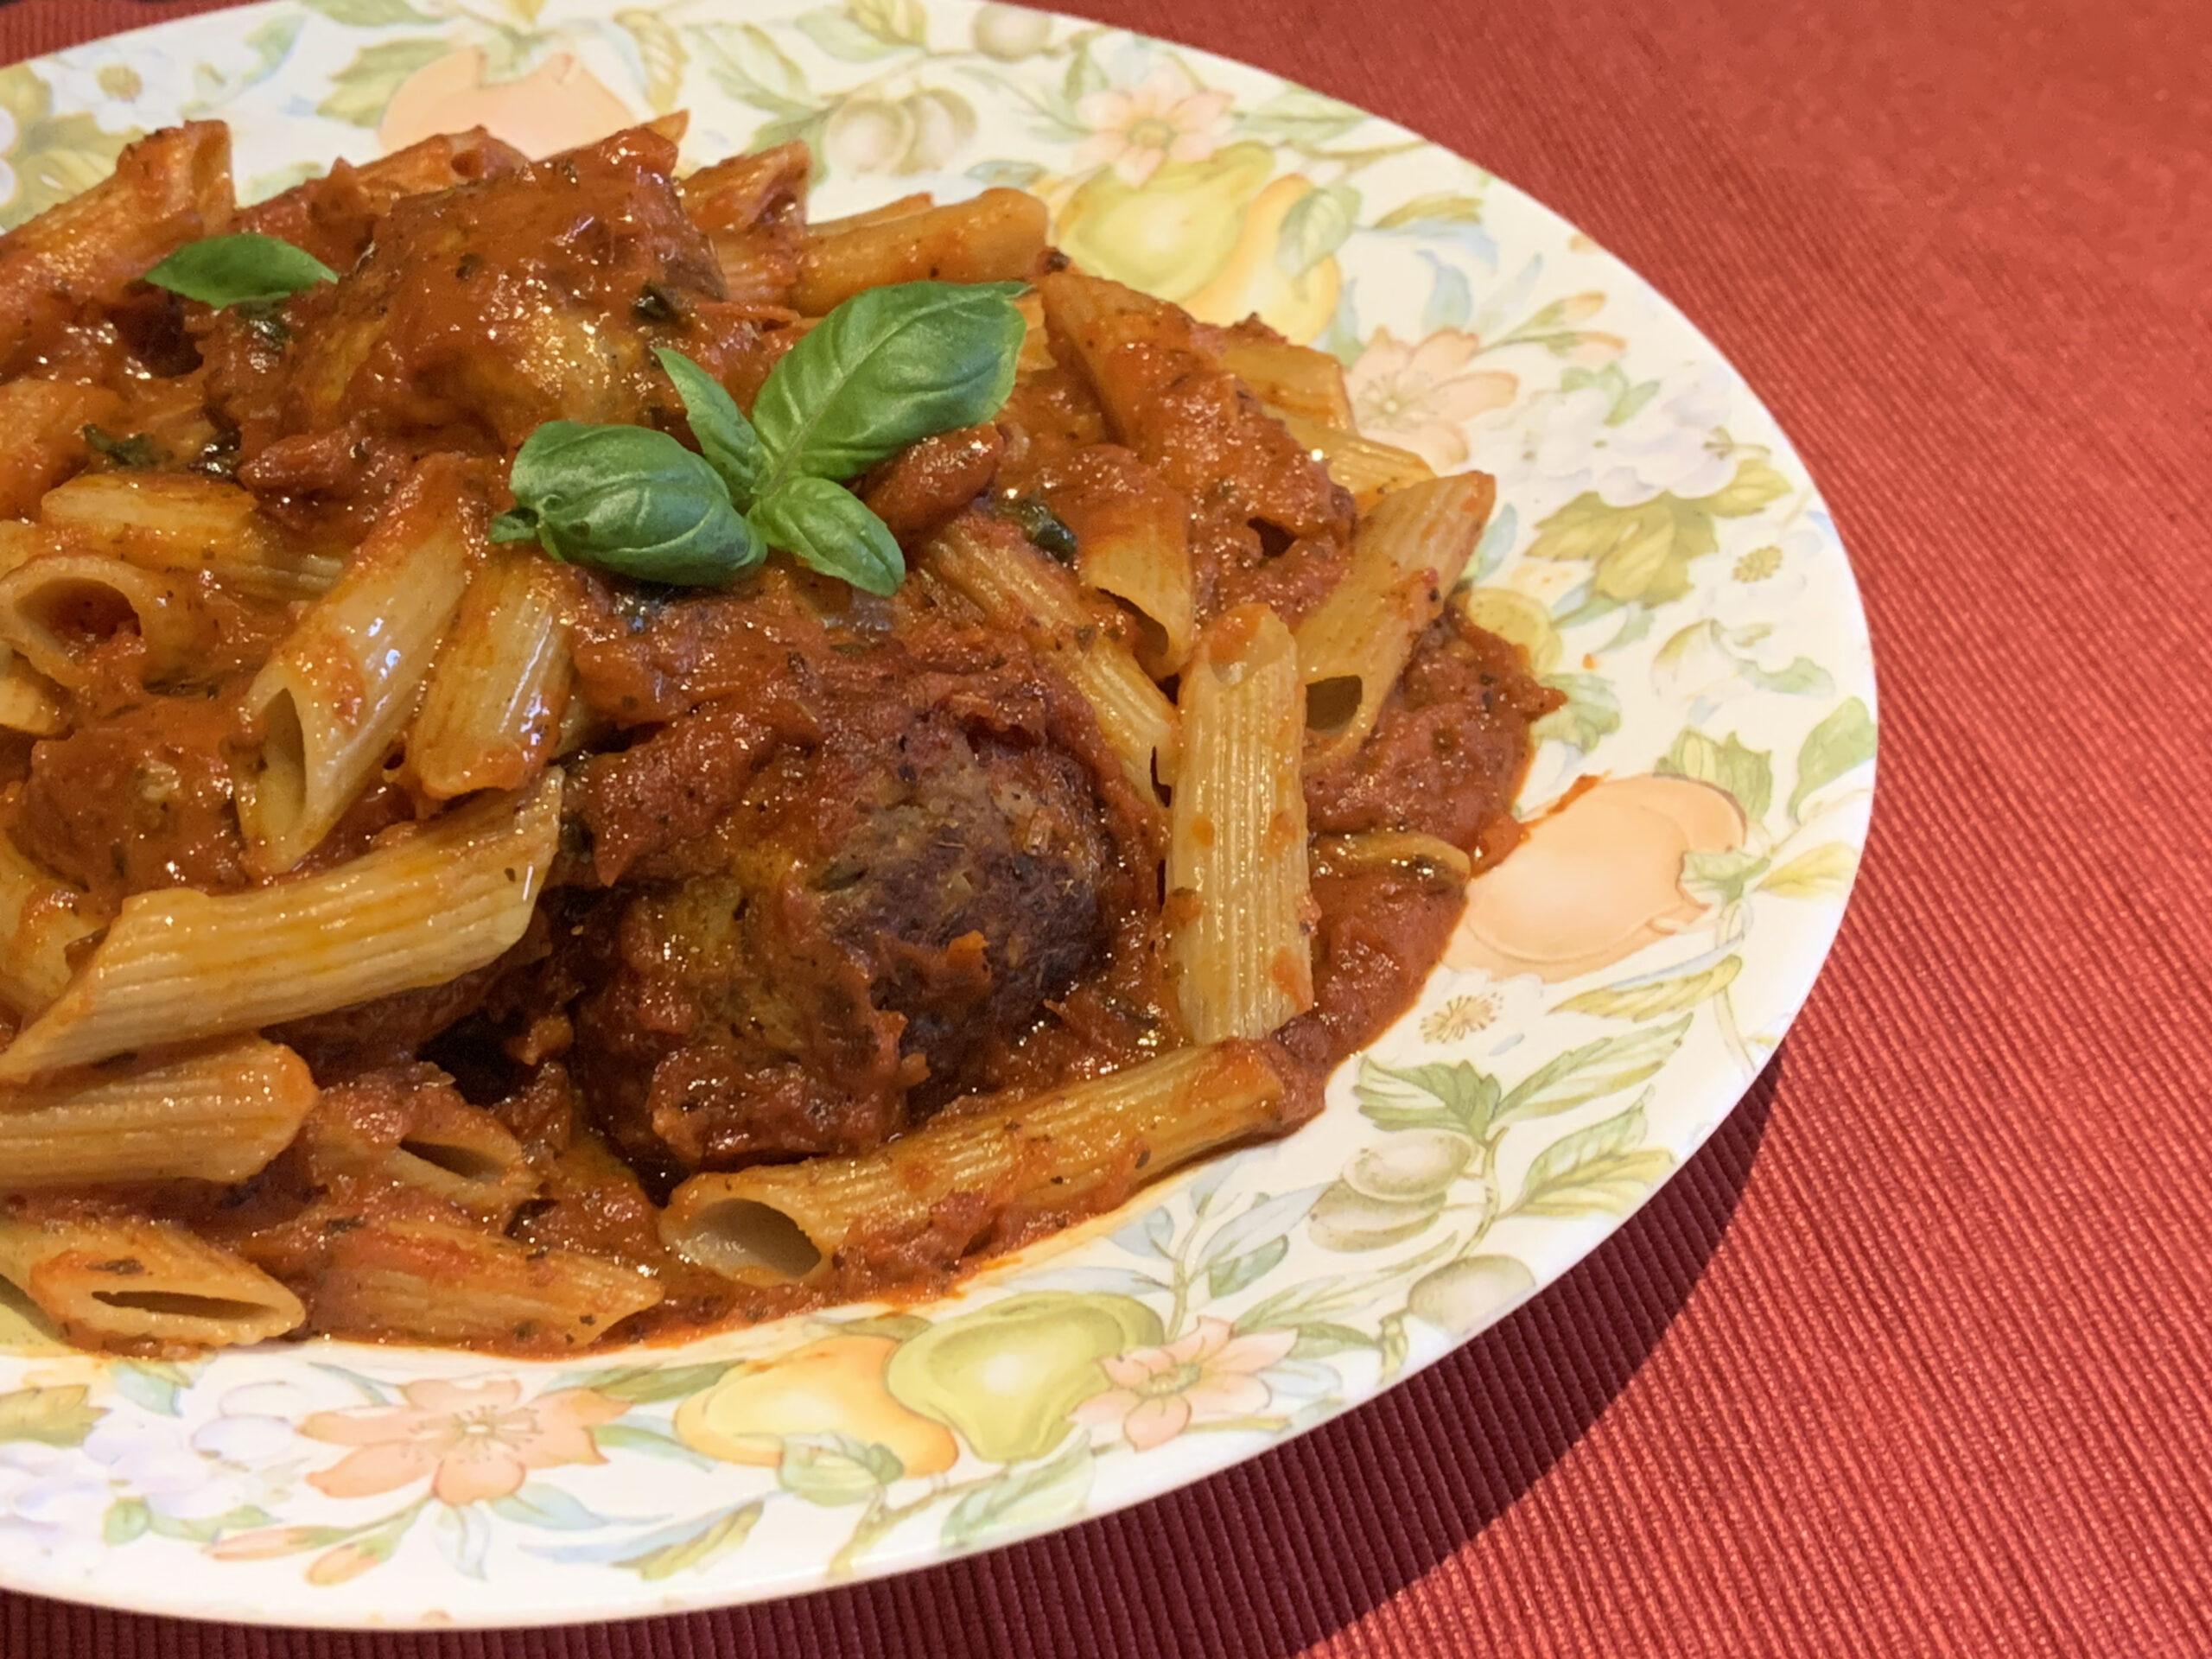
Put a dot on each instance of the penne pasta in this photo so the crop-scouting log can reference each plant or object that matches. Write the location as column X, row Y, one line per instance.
column 1368, row 469
column 173, row 521
column 141, row 1284
column 1018, row 588
column 1240, row 905
column 751, row 208
column 903, row 207
column 167, row 189
column 1427, row 855
column 453, row 1152
column 432, row 1281
column 419, row 912
column 993, row 237
column 42, row 435
column 1408, row 553
column 28, row 701
column 217, row 1114
column 1064, row 1153
column 1133, row 543
column 494, row 707
column 56, row 612
column 331, row 702
column 1291, row 380
column 41, row 918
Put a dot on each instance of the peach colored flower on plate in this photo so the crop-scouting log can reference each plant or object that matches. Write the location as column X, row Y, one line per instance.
column 1168, row 116
column 1208, row 1375
column 1419, row 396
column 473, row 1441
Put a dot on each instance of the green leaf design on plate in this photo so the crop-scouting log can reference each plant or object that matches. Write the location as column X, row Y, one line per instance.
column 1585, row 1074
column 648, row 1385
column 1641, row 553
column 1439, row 207
column 48, row 1416
column 1591, row 714
column 1720, row 878
column 1825, row 872
column 1296, row 117
column 1755, row 486
column 369, row 14
column 1315, row 227
column 1594, row 1171
column 720, row 1534
column 1841, row 743
column 1642, row 1002
column 1458, row 1096
column 835, row 1470
column 1024, row 1499
column 900, row 23
column 1726, row 764
column 360, row 92
column 837, row 32
column 661, row 51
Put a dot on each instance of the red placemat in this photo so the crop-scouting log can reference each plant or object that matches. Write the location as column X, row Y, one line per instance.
column 1912, row 1358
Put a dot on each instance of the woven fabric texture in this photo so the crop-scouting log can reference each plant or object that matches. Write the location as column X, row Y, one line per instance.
column 1912, row 1358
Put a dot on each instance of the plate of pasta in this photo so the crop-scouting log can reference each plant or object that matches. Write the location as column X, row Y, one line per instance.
column 900, row 767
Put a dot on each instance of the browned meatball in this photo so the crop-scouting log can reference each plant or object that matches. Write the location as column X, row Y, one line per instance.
column 862, row 925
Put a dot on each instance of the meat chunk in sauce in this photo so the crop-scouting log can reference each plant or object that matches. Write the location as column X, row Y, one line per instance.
column 476, row 315
column 860, row 926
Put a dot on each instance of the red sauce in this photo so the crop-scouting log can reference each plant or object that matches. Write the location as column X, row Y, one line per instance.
column 832, row 864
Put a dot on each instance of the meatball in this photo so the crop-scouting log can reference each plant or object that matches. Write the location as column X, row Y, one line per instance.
column 863, row 930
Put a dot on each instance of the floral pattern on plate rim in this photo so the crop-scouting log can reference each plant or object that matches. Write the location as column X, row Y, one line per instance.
column 1699, row 806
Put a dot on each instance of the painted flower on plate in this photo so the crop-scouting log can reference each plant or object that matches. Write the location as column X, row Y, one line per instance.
column 1212, row 1375
column 1166, row 117
column 1420, row 395
column 472, row 1441
column 1485, row 1012
column 1628, row 444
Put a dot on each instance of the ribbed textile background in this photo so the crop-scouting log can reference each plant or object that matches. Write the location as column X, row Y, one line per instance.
column 1912, row 1359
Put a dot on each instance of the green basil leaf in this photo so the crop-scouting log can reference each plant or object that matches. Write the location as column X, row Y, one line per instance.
column 629, row 499
column 236, row 270
column 887, row 368
column 732, row 446
column 826, row 527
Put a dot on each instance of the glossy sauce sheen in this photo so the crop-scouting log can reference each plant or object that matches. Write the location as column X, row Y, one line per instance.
column 831, row 864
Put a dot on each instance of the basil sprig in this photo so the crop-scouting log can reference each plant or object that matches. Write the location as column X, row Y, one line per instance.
column 887, row 368
column 241, row 270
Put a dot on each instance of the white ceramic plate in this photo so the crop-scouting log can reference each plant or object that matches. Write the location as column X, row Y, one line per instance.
column 1658, row 548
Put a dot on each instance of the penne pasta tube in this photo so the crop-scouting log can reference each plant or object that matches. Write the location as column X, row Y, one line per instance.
column 167, row 189
column 1368, row 469
column 28, row 701
column 42, row 435
column 1391, row 850
column 331, row 702
column 173, row 521
column 453, row 1152
column 1407, row 553
column 903, row 207
column 1133, row 544
column 993, row 237
column 751, row 208
column 493, row 709
column 419, row 912
column 1291, row 380
column 1018, row 588
column 1240, row 905
column 433, row 1281
column 217, row 1114
column 114, row 1283
column 41, row 918
column 56, row 611
column 1069, row 1152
